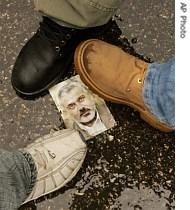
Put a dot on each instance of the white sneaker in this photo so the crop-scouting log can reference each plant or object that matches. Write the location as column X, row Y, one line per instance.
column 58, row 158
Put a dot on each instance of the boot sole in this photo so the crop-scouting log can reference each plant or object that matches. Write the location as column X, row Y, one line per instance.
column 80, row 69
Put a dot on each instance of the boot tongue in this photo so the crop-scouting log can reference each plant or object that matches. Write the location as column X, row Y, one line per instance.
column 52, row 28
column 51, row 24
column 40, row 159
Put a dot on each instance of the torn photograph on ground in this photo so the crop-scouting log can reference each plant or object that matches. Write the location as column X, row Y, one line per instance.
column 80, row 108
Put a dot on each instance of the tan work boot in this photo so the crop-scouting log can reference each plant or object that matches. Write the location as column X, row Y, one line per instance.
column 58, row 157
column 115, row 76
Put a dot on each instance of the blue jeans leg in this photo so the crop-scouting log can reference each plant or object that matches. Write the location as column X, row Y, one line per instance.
column 159, row 91
column 17, row 178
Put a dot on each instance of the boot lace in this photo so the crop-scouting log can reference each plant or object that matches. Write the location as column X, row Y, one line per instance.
column 58, row 36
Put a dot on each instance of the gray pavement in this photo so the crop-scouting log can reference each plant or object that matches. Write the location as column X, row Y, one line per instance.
column 130, row 167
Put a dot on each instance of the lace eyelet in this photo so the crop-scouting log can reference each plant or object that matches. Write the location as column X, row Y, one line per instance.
column 63, row 43
column 68, row 36
column 57, row 48
column 139, row 81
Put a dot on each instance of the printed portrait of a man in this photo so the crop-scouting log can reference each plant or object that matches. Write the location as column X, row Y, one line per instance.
column 81, row 109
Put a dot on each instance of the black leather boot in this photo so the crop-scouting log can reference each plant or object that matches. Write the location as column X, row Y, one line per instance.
column 47, row 55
